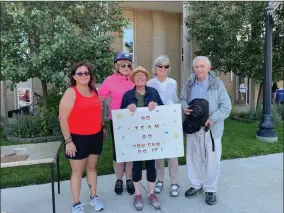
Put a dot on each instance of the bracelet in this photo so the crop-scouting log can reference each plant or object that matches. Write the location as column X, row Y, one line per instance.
column 66, row 142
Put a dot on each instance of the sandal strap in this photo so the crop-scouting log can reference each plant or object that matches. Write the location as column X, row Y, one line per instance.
column 159, row 184
column 175, row 187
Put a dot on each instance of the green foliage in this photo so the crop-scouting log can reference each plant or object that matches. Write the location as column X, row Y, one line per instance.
column 233, row 107
column 43, row 39
column 232, row 36
column 28, row 126
column 248, row 117
column 238, row 142
column 277, row 112
column 53, row 99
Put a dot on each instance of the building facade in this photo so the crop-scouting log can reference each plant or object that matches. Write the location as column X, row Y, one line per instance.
column 155, row 28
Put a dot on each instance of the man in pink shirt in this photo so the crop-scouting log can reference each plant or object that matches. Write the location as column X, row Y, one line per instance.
column 114, row 86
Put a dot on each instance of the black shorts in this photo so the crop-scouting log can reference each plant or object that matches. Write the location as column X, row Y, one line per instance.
column 113, row 145
column 87, row 145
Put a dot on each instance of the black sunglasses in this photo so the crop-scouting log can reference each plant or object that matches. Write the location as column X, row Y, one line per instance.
column 165, row 66
column 82, row 73
column 126, row 66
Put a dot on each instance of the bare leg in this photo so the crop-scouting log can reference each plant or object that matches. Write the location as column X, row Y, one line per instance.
column 91, row 169
column 160, row 165
column 128, row 170
column 78, row 167
column 137, row 188
column 151, row 186
column 119, row 170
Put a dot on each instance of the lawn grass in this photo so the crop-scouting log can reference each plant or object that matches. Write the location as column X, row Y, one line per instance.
column 238, row 142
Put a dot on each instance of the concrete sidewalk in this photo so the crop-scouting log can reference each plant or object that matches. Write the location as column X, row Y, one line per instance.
column 248, row 185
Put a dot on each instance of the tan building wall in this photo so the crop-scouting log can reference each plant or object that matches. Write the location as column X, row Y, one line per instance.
column 155, row 33
column 37, row 87
column 173, row 43
column 229, row 82
column 143, row 38
column 280, row 84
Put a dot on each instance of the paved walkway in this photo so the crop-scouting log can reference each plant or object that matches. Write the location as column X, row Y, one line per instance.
column 248, row 185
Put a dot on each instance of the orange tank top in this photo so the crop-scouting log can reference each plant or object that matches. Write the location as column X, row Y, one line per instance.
column 85, row 117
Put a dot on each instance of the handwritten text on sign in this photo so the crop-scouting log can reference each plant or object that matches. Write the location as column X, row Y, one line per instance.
column 147, row 135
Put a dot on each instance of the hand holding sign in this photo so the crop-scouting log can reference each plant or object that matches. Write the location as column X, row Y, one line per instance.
column 147, row 135
column 152, row 105
column 132, row 107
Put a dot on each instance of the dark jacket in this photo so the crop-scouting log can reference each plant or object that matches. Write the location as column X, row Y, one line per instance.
column 151, row 95
column 274, row 87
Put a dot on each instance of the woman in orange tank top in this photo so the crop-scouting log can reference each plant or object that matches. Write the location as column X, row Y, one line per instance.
column 81, row 125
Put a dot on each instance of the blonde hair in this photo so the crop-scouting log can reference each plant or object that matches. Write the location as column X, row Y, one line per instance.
column 116, row 65
column 162, row 59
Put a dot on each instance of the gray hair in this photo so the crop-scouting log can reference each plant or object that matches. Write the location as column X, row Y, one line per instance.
column 206, row 59
column 162, row 59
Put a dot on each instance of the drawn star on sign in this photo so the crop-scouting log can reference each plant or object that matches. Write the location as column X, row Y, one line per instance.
column 175, row 135
column 119, row 116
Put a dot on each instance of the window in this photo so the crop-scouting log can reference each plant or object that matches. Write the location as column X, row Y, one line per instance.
column 128, row 39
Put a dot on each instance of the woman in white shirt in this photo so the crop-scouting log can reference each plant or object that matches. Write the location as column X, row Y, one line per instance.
column 167, row 88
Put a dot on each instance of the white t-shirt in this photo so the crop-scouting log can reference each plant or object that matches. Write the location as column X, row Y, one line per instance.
column 167, row 89
column 243, row 88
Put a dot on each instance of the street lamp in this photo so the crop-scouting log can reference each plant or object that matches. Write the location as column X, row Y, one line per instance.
column 266, row 130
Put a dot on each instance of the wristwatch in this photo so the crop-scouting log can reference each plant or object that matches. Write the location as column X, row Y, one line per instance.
column 104, row 126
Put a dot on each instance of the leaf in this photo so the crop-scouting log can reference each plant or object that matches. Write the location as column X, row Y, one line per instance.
column 42, row 39
column 232, row 36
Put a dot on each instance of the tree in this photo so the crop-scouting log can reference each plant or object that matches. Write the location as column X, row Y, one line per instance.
column 42, row 39
column 231, row 34
column 275, row 8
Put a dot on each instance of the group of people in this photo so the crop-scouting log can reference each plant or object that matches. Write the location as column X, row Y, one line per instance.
column 84, row 129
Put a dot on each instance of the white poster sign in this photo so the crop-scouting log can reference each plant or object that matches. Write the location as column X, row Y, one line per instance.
column 148, row 135
column 24, row 97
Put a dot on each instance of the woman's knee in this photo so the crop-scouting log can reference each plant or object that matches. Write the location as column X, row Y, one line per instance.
column 77, row 172
column 78, row 167
column 91, row 168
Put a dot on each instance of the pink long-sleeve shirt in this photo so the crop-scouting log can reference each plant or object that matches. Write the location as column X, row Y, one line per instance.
column 115, row 86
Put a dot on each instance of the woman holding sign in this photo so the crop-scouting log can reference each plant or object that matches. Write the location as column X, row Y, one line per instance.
column 167, row 88
column 115, row 86
column 83, row 131
column 142, row 96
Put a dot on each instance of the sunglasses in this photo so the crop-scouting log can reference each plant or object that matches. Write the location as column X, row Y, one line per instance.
column 82, row 73
column 126, row 66
column 165, row 66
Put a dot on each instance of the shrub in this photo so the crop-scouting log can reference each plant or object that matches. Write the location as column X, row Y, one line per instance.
column 277, row 112
column 28, row 126
column 53, row 99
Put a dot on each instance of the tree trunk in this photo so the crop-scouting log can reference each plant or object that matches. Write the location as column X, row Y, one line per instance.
column 44, row 92
column 259, row 96
column 3, row 102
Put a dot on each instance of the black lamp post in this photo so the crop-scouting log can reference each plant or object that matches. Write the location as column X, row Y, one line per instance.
column 266, row 130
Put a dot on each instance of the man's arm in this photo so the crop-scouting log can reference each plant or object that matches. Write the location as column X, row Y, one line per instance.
column 225, row 105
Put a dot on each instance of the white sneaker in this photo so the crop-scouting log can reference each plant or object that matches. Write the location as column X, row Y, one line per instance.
column 158, row 187
column 78, row 209
column 96, row 203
